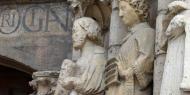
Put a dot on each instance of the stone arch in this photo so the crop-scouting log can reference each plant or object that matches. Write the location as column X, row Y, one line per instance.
column 15, row 77
column 11, row 63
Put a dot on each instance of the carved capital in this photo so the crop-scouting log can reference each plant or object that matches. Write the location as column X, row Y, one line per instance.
column 44, row 82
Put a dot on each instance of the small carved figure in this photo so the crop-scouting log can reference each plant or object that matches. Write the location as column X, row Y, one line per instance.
column 86, row 75
column 135, row 58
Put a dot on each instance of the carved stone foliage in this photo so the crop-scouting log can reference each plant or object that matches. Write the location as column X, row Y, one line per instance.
column 132, row 69
column 44, row 82
column 85, row 76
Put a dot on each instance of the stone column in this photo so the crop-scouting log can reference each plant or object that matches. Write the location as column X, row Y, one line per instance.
column 160, row 55
column 117, row 31
column 44, row 82
column 160, row 51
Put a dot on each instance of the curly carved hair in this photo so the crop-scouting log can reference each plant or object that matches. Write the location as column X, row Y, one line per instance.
column 141, row 8
column 91, row 27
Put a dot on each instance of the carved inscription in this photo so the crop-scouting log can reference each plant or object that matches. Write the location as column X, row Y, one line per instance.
column 50, row 17
column 9, row 20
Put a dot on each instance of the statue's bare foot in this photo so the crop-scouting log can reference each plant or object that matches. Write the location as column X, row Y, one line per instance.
column 185, row 85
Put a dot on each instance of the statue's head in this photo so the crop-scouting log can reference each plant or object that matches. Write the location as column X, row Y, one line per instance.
column 133, row 11
column 85, row 28
column 68, row 67
column 178, row 6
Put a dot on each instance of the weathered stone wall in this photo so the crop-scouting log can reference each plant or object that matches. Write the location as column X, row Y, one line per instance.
column 37, row 35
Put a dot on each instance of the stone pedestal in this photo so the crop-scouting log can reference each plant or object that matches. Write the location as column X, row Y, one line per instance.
column 44, row 82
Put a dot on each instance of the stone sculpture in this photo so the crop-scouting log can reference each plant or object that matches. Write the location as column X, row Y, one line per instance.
column 162, row 22
column 85, row 77
column 176, row 74
column 44, row 82
column 135, row 59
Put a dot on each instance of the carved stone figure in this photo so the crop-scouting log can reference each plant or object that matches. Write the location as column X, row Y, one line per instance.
column 68, row 69
column 135, row 59
column 176, row 74
column 86, row 75
column 163, row 19
column 96, row 9
column 44, row 82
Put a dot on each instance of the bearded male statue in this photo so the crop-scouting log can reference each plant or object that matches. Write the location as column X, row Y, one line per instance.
column 135, row 58
column 85, row 77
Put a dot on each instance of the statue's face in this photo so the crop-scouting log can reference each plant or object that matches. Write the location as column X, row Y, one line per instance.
column 127, row 13
column 79, row 37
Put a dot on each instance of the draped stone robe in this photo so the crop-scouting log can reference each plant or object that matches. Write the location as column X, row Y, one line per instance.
column 137, row 54
column 177, row 65
column 91, row 69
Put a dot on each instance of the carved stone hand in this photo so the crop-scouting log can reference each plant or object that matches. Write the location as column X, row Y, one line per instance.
column 126, row 74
